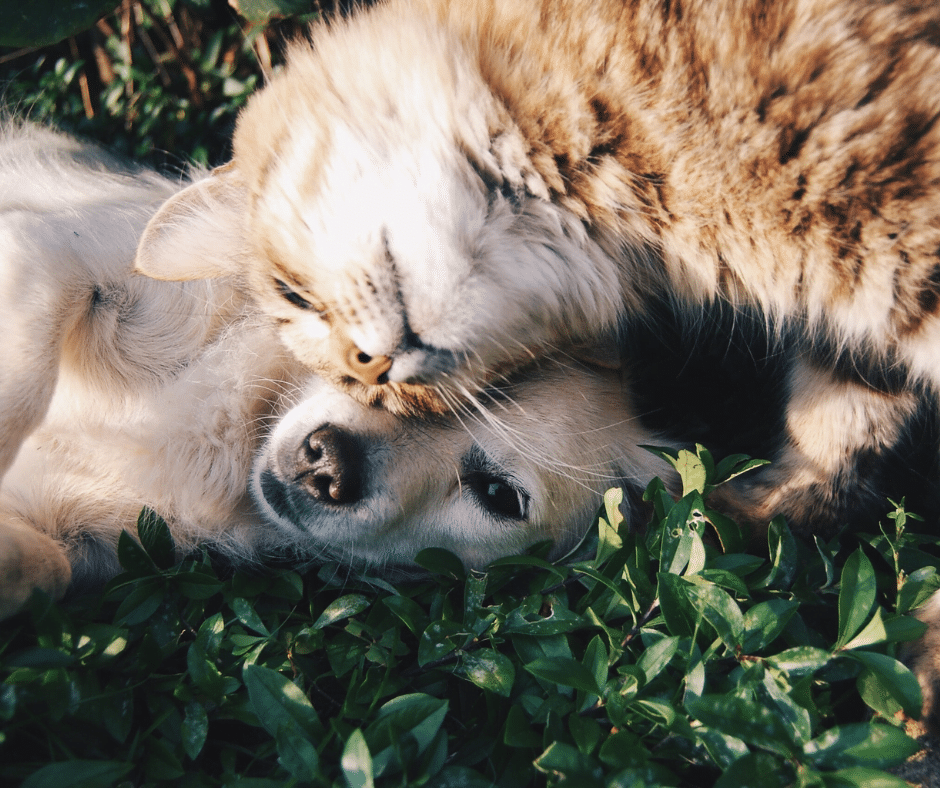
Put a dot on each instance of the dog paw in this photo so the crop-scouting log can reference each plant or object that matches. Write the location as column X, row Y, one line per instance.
column 29, row 560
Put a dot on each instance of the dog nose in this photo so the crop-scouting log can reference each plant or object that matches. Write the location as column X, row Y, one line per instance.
column 371, row 370
column 329, row 466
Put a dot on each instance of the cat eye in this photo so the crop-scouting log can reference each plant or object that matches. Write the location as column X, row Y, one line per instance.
column 496, row 493
column 293, row 297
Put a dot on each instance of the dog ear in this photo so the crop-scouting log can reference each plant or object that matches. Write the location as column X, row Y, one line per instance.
column 198, row 232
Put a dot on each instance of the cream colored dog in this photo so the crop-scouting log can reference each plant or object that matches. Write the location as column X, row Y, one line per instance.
column 119, row 391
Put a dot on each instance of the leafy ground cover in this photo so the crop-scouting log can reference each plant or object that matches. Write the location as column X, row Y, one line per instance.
column 666, row 657
column 160, row 81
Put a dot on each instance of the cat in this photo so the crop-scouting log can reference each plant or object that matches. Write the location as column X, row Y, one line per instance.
column 433, row 193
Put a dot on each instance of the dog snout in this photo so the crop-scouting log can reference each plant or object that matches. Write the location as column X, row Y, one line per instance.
column 329, row 467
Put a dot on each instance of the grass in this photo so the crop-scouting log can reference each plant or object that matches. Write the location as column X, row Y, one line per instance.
column 669, row 656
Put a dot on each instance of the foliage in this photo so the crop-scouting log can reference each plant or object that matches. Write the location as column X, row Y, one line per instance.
column 667, row 656
column 156, row 80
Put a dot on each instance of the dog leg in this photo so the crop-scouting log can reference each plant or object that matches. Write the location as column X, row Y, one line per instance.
column 44, row 286
column 29, row 560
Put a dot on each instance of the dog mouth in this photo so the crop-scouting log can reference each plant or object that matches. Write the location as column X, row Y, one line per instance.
column 275, row 495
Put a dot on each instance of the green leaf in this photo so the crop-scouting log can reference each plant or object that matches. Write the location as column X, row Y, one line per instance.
column 784, row 561
column 260, row 12
column 692, row 471
column 608, row 527
column 278, row 703
column 681, row 615
column 800, row 660
column 39, row 658
column 863, row 777
column 894, row 679
column 728, row 531
column 297, row 753
column 756, row 770
column 871, row 744
column 141, row 603
column 918, row 587
column 747, row 720
column 734, row 465
column 205, row 675
column 677, row 537
column 723, row 749
column 439, row 640
column 441, row 562
column 247, row 615
column 657, row 656
column 197, row 585
column 78, row 774
column 416, row 716
column 357, row 762
column 564, row 670
column 718, row 608
column 517, row 731
column 194, row 729
column 568, row 762
column 880, row 630
column 409, row 611
column 488, row 669
column 133, row 557
column 155, row 538
column 856, row 596
column 344, row 607
column 595, row 661
column 764, row 622
column 561, row 621
column 474, row 593
column 528, row 561
column 43, row 22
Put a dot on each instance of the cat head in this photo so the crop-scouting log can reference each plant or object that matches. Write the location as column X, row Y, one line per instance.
column 384, row 209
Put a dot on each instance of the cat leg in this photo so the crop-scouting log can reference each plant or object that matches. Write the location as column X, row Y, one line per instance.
column 826, row 473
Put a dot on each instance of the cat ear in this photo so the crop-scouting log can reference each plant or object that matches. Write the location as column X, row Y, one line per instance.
column 605, row 352
column 197, row 233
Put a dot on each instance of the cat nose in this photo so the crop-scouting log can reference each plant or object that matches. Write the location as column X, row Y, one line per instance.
column 370, row 370
column 411, row 362
column 328, row 466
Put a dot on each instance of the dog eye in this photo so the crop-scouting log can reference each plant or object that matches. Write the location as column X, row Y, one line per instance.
column 293, row 297
column 498, row 496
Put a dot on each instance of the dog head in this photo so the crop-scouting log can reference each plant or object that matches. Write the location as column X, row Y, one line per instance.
column 525, row 464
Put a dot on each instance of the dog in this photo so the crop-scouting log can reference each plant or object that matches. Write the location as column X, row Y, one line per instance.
column 120, row 391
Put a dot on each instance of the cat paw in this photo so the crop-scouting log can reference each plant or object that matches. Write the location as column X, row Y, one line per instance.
column 923, row 658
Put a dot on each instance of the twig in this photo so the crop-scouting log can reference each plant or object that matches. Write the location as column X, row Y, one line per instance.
column 18, row 53
column 82, row 80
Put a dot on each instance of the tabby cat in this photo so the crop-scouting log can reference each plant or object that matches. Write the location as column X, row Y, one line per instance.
column 434, row 192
